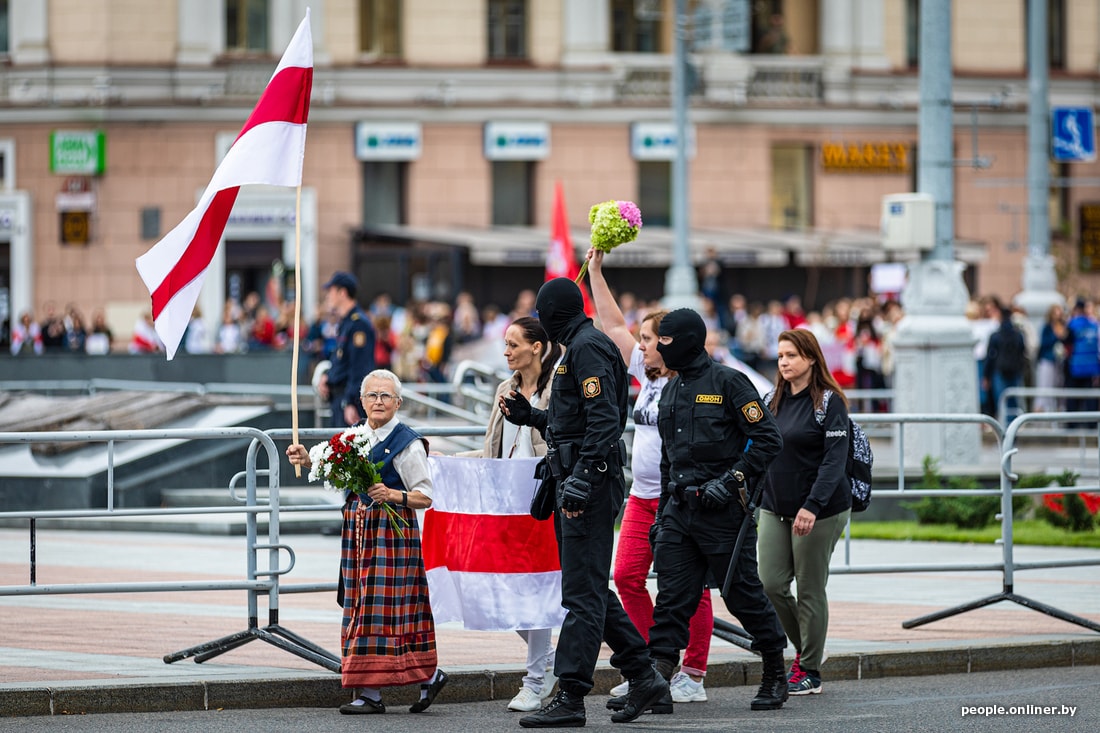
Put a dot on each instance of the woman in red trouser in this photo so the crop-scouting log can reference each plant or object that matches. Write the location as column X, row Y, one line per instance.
column 634, row 556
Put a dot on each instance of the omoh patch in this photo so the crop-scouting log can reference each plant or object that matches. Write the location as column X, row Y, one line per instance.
column 753, row 412
column 591, row 387
column 359, row 339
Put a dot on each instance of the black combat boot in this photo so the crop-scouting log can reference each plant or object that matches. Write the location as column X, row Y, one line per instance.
column 644, row 693
column 564, row 711
column 773, row 683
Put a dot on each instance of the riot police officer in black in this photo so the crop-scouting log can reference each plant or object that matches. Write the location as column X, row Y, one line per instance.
column 583, row 426
column 717, row 438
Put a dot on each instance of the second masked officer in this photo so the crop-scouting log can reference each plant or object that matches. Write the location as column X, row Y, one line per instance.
column 583, row 426
column 717, row 439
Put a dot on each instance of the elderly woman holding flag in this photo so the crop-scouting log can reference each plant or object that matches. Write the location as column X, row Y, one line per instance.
column 388, row 636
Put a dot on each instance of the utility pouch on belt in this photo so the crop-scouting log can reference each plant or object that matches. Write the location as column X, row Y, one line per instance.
column 554, row 464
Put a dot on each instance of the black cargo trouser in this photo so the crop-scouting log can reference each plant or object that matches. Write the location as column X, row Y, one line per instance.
column 694, row 543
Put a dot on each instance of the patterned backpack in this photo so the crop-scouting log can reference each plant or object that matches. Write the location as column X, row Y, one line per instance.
column 860, row 457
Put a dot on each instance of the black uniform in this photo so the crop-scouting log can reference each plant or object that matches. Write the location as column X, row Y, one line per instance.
column 713, row 425
column 352, row 360
column 583, row 426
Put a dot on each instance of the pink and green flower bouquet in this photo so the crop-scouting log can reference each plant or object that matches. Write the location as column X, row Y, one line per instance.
column 613, row 223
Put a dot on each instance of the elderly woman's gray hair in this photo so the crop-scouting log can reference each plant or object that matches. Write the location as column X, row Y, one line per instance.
column 382, row 374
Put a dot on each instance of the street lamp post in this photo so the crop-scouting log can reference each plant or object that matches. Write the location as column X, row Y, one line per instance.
column 681, row 289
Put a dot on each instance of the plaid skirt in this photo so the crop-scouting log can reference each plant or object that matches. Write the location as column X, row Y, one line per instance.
column 388, row 633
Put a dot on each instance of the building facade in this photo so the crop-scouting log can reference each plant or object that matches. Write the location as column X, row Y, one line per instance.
column 438, row 129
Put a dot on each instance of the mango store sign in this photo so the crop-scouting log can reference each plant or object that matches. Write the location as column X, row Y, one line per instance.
column 517, row 140
column 78, row 152
column 387, row 140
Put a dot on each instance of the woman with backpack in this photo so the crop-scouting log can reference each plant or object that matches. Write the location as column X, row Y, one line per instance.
column 806, row 502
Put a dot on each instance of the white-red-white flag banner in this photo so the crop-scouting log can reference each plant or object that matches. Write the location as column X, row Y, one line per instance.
column 490, row 564
column 269, row 150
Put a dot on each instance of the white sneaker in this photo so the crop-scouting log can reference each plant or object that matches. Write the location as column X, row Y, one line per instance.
column 685, row 689
column 525, row 701
column 620, row 689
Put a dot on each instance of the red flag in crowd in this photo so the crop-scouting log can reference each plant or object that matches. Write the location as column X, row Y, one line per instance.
column 561, row 260
column 269, row 150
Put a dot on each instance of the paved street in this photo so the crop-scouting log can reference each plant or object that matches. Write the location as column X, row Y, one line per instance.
column 891, row 705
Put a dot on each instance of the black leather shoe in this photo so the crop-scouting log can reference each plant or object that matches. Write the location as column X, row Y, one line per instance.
column 661, row 707
column 369, row 707
column 644, row 692
column 433, row 689
column 564, row 711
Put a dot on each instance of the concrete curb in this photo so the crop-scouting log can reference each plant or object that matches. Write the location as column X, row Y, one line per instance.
column 480, row 685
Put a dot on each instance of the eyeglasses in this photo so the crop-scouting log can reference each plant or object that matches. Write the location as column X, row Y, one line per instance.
column 376, row 396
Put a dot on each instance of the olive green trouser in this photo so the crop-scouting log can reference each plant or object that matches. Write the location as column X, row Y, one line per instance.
column 785, row 557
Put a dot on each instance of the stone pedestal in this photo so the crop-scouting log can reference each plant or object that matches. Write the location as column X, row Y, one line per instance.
column 1040, row 291
column 934, row 367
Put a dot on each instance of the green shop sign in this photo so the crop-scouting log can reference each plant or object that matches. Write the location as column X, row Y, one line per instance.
column 82, row 152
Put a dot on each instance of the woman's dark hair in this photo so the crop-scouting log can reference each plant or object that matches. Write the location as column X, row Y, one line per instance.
column 805, row 343
column 534, row 333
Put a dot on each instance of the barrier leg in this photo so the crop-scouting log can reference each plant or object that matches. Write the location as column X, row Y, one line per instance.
column 1005, row 595
column 732, row 633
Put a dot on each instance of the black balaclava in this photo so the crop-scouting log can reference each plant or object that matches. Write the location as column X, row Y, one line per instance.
column 689, row 336
column 559, row 301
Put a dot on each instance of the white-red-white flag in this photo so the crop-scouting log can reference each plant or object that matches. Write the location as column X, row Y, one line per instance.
column 490, row 564
column 269, row 150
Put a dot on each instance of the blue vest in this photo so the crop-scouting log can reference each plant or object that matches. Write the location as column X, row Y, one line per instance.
column 1084, row 360
column 388, row 449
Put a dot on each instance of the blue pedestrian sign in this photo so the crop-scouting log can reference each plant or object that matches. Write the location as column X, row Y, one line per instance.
column 1072, row 135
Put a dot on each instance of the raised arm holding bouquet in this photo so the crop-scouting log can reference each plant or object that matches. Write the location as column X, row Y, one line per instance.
column 613, row 223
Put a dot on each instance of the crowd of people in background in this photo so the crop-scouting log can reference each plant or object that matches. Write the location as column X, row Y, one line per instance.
column 421, row 340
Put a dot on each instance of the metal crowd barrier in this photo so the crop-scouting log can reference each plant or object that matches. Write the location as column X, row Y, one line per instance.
column 273, row 633
column 259, row 581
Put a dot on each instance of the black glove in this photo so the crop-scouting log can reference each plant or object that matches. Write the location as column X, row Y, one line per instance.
column 654, row 530
column 714, row 494
column 519, row 409
column 574, row 494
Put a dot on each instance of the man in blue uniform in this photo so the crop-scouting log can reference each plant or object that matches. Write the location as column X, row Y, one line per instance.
column 354, row 355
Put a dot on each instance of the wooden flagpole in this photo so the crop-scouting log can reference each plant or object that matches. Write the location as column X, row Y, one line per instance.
column 297, row 322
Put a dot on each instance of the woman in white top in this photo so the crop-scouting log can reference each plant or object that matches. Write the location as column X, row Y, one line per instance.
column 633, row 556
column 532, row 357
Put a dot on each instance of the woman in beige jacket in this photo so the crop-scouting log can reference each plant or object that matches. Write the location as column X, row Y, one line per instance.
column 533, row 358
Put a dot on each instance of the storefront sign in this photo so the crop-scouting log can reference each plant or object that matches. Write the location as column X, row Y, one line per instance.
column 1089, row 247
column 866, row 157
column 387, row 140
column 78, row 152
column 517, row 140
column 657, row 141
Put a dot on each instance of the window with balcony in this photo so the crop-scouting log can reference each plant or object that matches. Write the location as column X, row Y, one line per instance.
column 384, row 192
column 769, row 28
column 792, row 187
column 1056, row 31
column 513, row 193
column 507, row 35
column 4, row 13
column 636, row 27
column 912, row 33
column 380, row 28
column 655, row 191
column 246, row 26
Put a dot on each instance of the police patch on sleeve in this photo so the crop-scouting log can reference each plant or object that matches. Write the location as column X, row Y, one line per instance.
column 753, row 412
column 359, row 339
column 591, row 387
